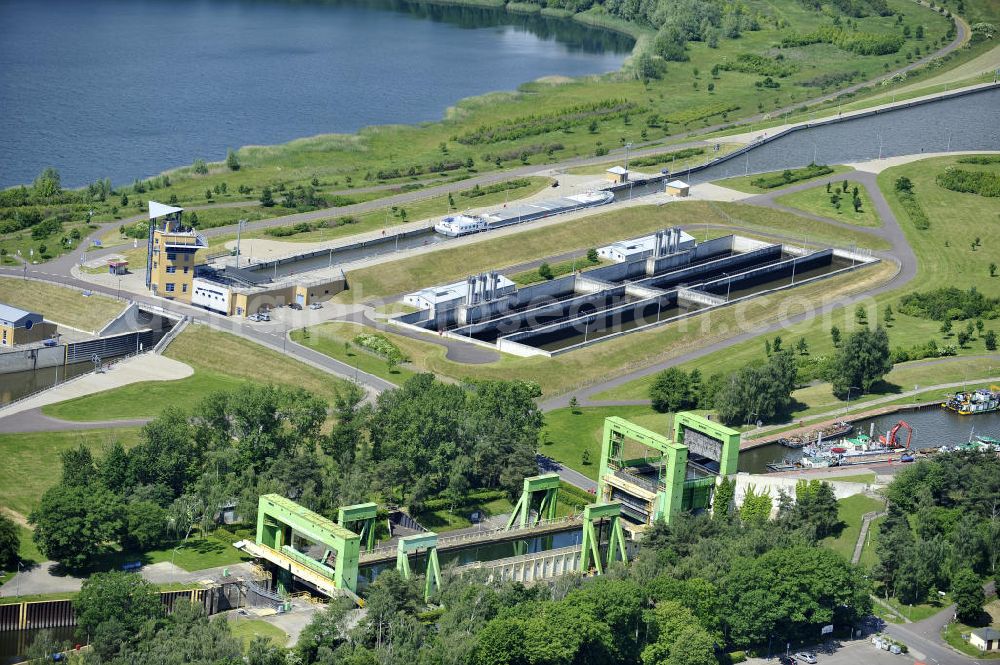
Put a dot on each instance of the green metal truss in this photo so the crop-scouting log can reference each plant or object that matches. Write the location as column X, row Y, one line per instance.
column 360, row 515
column 279, row 519
column 593, row 515
column 411, row 544
column 547, row 485
column 728, row 439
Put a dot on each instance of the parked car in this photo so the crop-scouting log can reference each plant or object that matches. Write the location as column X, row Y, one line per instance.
column 786, row 660
column 806, row 657
column 294, row 305
column 253, row 317
column 316, row 305
column 264, row 316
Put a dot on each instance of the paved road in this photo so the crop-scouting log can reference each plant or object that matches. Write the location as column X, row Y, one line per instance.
column 925, row 636
column 549, row 465
column 33, row 420
column 900, row 253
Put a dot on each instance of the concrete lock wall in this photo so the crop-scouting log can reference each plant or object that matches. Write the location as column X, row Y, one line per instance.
column 775, row 485
column 26, row 360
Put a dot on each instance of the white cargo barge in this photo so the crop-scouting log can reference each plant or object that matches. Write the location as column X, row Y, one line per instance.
column 460, row 225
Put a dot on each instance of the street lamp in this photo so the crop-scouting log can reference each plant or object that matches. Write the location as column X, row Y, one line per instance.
column 729, row 283
column 849, row 397
column 628, row 146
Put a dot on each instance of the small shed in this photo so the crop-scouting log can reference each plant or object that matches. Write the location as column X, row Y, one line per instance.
column 985, row 639
column 617, row 174
column 117, row 267
column 18, row 326
column 678, row 188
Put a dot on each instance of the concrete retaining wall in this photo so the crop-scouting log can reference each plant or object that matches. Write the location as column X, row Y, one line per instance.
column 26, row 360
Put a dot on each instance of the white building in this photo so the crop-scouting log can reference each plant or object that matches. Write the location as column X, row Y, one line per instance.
column 985, row 639
column 210, row 295
column 640, row 248
column 449, row 296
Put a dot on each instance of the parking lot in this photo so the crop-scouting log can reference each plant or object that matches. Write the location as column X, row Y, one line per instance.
column 857, row 652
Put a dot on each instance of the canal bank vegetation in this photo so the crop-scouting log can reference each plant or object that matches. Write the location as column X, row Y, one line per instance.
column 753, row 184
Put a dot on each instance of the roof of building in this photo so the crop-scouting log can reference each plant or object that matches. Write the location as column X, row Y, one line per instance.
column 987, row 633
column 11, row 316
column 679, row 184
column 637, row 245
column 449, row 292
column 618, row 170
column 157, row 210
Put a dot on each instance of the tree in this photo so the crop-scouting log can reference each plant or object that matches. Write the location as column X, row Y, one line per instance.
column 919, row 32
column 145, row 526
column 573, row 403
column 671, row 391
column 967, row 592
column 802, row 347
column 200, row 167
column 10, row 543
column 112, row 609
column 862, row 361
column 47, row 184
column 993, row 270
column 545, row 271
column 980, row 325
column 232, row 161
column 861, row 315
column 990, row 340
column 887, row 316
column 592, row 256
column 72, row 522
column 725, row 491
column 835, row 336
column 946, row 327
column 776, row 344
column 266, row 198
column 963, row 338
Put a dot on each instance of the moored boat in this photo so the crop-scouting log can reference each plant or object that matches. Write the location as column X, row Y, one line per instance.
column 974, row 402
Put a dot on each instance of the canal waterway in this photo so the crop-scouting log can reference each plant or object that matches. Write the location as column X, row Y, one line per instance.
column 16, row 385
column 933, row 427
column 127, row 88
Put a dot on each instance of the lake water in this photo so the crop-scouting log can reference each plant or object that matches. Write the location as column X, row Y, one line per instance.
column 127, row 88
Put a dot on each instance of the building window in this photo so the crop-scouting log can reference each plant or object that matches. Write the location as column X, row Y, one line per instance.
column 171, row 269
column 184, row 288
column 185, row 270
column 171, row 256
column 170, row 287
column 155, row 264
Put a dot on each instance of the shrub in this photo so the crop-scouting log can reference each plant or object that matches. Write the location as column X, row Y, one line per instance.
column 380, row 346
column 790, row 175
column 949, row 303
column 983, row 183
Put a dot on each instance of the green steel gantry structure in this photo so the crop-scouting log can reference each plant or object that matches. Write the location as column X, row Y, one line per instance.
column 360, row 515
column 546, row 488
column 593, row 516
column 655, row 477
column 281, row 522
column 412, row 545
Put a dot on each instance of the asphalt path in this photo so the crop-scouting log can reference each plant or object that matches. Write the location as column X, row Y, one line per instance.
column 549, row 465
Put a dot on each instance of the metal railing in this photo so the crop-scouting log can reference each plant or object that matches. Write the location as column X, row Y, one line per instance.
column 485, row 535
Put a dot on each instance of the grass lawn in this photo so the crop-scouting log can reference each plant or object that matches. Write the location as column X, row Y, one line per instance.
column 851, row 510
column 921, row 611
column 568, row 433
column 232, row 361
column 32, row 461
column 247, row 629
column 55, row 245
column 558, row 270
column 817, row 201
column 28, row 551
column 61, row 304
column 742, row 183
column 331, row 339
column 953, row 632
column 197, row 553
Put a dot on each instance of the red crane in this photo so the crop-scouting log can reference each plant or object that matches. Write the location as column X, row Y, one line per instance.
column 892, row 442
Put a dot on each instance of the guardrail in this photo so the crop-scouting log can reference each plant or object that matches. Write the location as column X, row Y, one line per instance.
column 169, row 337
column 485, row 535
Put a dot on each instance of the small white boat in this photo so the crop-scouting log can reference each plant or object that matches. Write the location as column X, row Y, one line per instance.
column 460, row 225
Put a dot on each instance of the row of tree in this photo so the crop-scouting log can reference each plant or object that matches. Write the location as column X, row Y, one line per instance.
column 425, row 439
column 762, row 390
